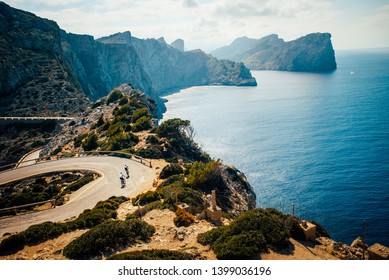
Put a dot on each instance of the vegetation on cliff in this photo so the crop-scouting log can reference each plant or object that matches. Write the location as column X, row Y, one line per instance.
column 153, row 255
column 103, row 211
column 108, row 237
column 250, row 234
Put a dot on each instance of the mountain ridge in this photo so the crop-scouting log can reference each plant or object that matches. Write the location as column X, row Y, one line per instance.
column 310, row 53
column 42, row 64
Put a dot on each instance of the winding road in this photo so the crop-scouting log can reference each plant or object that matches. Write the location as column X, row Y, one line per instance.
column 141, row 178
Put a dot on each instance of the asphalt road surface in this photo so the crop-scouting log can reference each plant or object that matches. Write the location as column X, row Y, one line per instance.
column 104, row 187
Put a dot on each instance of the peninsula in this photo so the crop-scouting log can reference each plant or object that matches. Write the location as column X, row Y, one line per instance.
column 310, row 53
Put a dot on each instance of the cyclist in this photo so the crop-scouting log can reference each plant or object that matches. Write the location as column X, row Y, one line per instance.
column 126, row 169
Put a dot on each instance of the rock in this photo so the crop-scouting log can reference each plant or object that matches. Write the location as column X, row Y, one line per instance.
column 178, row 44
column 378, row 252
column 358, row 243
column 180, row 234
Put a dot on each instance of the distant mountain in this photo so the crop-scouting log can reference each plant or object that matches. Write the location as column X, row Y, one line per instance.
column 310, row 53
column 178, row 44
column 44, row 69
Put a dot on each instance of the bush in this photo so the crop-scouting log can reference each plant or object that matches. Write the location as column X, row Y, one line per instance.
column 141, row 124
column 169, row 170
column 183, row 218
column 12, row 244
column 142, row 112
column 121, row 142
column 253, row 232
column 146, row 198
column 296, row 231
column 202, row 176
column 37, row 143
column 241, row 246
column 209, row 237
column 79, row 183
column 107, row 237
column 39, row 233
column 153, row 255
column 90, row 143
column 36, row 234
column 151, row 139
column 123, row 101
column 114, row 96
column 97, row 104
column 153, row 152
column 124, row 110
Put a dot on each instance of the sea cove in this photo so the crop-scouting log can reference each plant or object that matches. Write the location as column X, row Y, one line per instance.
column 319, row 141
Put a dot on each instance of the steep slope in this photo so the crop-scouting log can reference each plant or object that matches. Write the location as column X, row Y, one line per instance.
column 44, row 69
column 33, row 72
column 310, row 53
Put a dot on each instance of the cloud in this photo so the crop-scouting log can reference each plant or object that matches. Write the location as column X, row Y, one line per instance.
column 189, row 3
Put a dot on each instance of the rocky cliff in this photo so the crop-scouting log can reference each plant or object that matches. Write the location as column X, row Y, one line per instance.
column 42, row 64
column 33, row 72
column 310, row 53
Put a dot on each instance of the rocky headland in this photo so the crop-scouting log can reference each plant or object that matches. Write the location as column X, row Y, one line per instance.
column 311, row 53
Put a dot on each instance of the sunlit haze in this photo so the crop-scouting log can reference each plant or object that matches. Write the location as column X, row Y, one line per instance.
column 209, row 24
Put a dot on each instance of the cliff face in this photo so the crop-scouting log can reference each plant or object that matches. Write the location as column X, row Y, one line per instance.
column 310, row 53
column 44, row 63
column 33, row 73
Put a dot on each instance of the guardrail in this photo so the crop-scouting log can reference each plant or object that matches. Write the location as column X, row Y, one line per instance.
column 134, row 157
column 52, row 201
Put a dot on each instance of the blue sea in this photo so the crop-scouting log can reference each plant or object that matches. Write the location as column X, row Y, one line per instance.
column 318, row 141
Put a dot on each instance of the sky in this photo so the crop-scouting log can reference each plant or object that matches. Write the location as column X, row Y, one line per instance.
column 209, row 24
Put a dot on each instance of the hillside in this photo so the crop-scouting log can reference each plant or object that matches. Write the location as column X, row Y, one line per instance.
column 47, row 70
column 310, row 53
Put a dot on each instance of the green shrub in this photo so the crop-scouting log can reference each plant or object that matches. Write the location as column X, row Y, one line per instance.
column 79, row 183
column 153, row 152
column 141, row 124
column 114, row 96
column 209, row 237
column 151, row 139
column 121, row 141
column 97, row 104
column 251, row 233
column 37, row 143
column 78, row 140
column 114, row 129
column 169, row 170
column 90, row 143
column 39, row 233
column 107, row 237
column 202, row 176
column 241, row 246
column 183, row 218
column 56, row 151
column 123, row 101
column 153, row 255
column 124, row 110
column 142, row 112
column 296, row 231
column 147, row 197
column 12, row 244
